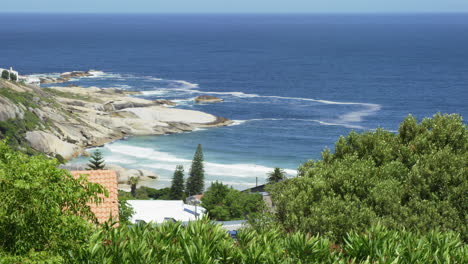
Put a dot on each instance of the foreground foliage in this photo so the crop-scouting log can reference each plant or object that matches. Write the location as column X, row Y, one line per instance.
column 42, row 208
column 415, row 179
column 202, row 242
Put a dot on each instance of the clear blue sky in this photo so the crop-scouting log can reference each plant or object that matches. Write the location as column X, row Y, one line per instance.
column 234, row 6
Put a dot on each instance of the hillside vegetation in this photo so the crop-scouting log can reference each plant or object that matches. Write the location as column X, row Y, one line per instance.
column 416, row 179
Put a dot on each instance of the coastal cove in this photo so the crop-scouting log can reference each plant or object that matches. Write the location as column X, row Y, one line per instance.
column 292, row 84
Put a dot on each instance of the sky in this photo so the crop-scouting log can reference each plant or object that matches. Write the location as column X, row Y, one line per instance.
column 235, row 6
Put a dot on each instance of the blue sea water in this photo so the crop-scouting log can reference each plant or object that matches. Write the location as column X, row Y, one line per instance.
column 293, row 83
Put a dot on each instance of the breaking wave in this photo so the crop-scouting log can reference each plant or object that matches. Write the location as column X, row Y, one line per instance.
column 125, row 154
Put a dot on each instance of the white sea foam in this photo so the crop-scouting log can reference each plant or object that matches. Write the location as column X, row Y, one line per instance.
column 240, row 122
column 344, row 120
column 143, row 153
column 153, row 159
column 185, row 84
column 154, row 92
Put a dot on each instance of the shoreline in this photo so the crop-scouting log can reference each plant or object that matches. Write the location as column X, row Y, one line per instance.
column 130, row 116
column 65, row 121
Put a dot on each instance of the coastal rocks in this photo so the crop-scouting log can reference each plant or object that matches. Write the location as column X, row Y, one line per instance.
column 66, row 76
column 164, row 102
column 8, row 110
column 123, row 174
column 72, row 119
column 164, row 114
column 48, row 80
column 76, row 74
column 122, row 104
column 207, row 99
column 50, row 144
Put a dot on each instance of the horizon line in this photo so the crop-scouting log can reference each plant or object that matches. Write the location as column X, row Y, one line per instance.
column 241, row 13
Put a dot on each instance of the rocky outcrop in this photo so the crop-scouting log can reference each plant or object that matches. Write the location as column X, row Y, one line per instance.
column 50, row 144
column 9, row 110
column 164, row 102
column 207, row 99
column 123, row 174
column 66, row 76
column 71, row 119
column 76, row 74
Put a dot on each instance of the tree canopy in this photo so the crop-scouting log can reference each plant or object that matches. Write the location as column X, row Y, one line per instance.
column 96, row 162
column 225, row 203
column 196, row 179
column 177, row 186
column 414, row 179
column 42, row 207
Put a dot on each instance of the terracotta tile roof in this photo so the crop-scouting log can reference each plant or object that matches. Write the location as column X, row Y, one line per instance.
column 198, row 196
column 110, row 205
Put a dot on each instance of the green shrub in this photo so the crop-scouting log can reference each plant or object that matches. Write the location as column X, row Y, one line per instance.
column 414, row 179
column 13, row 77
column 146, row 193
column 224, row 203
column 5, row 74
column 31, row 258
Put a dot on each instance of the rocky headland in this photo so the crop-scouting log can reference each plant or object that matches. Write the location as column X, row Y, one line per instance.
column 64, row 121
column 208, row 99
column 66, row 76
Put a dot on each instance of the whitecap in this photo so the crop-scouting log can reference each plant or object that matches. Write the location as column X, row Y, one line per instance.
column 185, row 84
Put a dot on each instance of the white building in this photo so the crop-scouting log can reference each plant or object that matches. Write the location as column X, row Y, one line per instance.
column 158, row 211
column 11, row 72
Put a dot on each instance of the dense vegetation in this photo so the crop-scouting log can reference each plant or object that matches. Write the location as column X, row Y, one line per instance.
column 416, row 179
column 223, row 203
column 379, row 198
column 42, row 208
column 204, row 243
column 146, row 193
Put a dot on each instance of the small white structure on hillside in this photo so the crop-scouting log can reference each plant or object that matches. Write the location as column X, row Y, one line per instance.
column 158, row 211
column 11, row 73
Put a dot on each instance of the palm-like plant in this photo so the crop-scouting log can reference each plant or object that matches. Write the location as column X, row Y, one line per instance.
column 133, row 182
column 276, row 175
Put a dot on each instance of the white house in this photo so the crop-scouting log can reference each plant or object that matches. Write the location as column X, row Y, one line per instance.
column 158, row 211
column 10, row 73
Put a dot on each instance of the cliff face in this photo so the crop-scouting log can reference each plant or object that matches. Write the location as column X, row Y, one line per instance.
column 66, row 121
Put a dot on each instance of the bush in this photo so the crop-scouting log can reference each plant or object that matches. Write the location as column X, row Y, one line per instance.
column 414, row 179
column 13, row 77
column 6, row 75
column 147, row 193
column 224, row 203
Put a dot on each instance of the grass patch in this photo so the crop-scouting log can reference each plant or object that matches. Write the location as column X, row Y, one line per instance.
column 70, row 95
column 23, row 98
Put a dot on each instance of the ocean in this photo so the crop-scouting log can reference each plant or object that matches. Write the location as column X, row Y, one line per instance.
column 292, row 83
